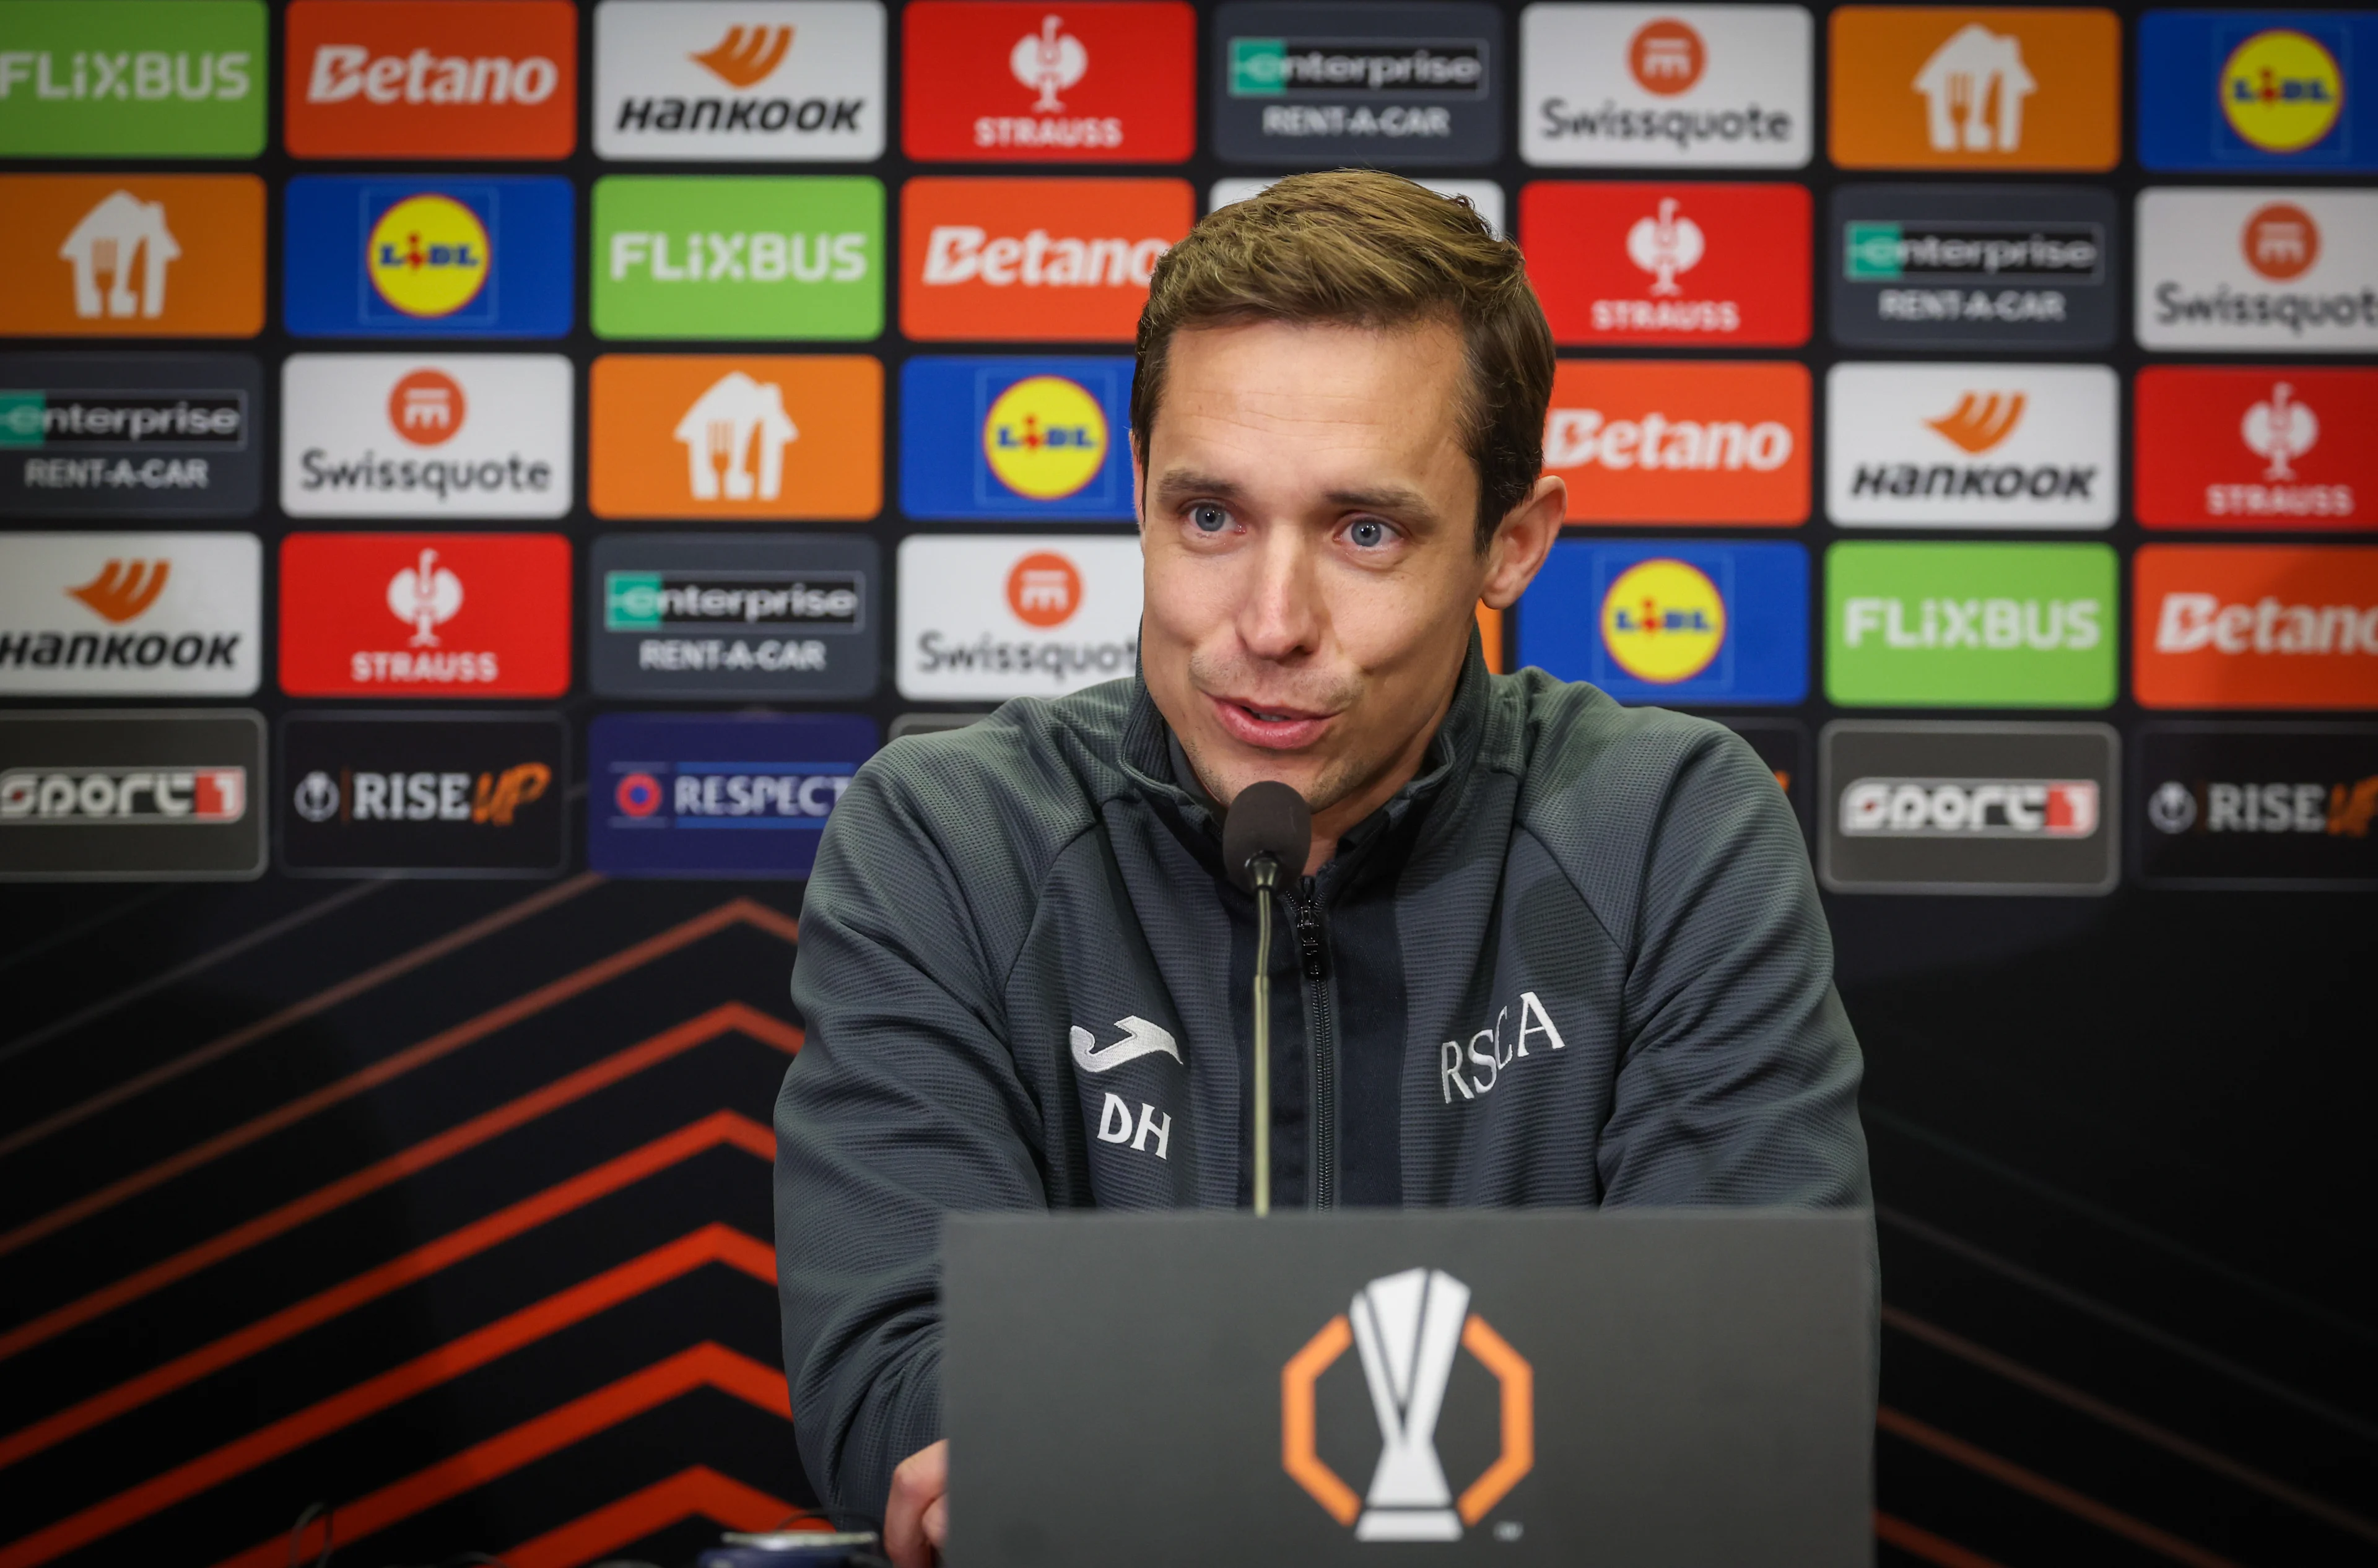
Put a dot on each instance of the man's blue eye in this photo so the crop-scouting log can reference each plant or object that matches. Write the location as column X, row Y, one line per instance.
column 1368, row 534
column 1210, row 519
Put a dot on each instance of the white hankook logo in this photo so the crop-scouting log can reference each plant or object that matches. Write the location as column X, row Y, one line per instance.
column 1139, row 1038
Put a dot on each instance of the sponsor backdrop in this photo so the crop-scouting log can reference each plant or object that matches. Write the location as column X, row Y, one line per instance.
column 476, row 480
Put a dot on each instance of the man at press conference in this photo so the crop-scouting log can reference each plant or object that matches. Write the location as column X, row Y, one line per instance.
column 1546, row 950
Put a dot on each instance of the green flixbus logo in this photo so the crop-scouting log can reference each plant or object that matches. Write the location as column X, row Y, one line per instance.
column 1989, row 626
column 739, row 256
column 151, row 78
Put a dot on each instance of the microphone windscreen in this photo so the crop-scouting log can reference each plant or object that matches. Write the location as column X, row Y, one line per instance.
column 1268, row 817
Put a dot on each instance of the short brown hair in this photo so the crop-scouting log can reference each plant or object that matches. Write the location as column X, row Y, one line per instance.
column 1369, row 249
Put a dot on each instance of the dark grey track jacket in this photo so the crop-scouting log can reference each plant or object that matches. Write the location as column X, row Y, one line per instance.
column 1579, row 960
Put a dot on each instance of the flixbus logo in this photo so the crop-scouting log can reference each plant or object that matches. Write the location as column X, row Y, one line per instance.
column 2004, row 625
column 1407, row 1328
column 739, row 256
column 132, row 79
column 2255, row 625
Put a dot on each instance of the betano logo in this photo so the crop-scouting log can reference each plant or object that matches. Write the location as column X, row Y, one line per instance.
column 140, row 255
column 1652, row 441
column 1662, row 621
column 1406, row 1328
column 2281, row 91
column 2256, row 626
column 1926, row 87
column 1058, row 260
column 1045, row 438
column 428, row 256
column 403, row 78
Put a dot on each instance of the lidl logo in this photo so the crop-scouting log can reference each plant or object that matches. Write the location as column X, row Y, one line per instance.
column 729, row 256
column 1933, row 87
column 1015, row 440
column 1674, row 622
column 132, row 79
column 397, row 78
column 2265, row 446
column 720, row 436
column 1099, row 81
column 1998, row 625
column 146, row 256
column 2255, row 89
column 486, row 257
column 1663, row 441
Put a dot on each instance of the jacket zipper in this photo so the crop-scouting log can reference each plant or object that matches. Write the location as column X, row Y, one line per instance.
column 1321, row 1035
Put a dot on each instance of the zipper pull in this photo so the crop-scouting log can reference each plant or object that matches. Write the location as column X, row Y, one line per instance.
column 1308, row 936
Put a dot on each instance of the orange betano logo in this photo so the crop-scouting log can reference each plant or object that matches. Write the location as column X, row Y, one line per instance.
column 747, row 54
column 1406, row 1327
column 1981, row 420
column 123, row 589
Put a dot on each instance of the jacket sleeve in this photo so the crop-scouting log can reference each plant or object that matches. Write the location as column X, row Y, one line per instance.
column 1739, row 1079
column 902, row 1103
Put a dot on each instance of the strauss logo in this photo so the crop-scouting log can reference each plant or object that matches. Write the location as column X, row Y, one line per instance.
column 2280, row 428
column 427, row 595
column 1049, row 61
column 1665, row 245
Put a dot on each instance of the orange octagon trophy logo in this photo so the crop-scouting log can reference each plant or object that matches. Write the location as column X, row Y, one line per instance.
column 1407, row 1326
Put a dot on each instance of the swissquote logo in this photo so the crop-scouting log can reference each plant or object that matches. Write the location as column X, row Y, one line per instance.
column 1695, row 265
column 367, row 78
column 149, row 255
column 2255, row 625
column 1094, row 82
column 999, row 617
column 740, row 79
column 1061, row 260
column 1684, row 86
column 2295, row 270
column 1407, row 1329
column 425, row 615
column 129, row 435
column 1935, row 87
column 138, row 77
column 1972, row 446
column 2269, row 448
column 1664, row 441
column 705, row 435
column 129, row 615
column 457, row 436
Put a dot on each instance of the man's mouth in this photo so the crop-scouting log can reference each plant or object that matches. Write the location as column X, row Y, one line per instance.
column 1271, row 725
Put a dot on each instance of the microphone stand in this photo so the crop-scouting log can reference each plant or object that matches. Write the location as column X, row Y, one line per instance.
column 1264, row 872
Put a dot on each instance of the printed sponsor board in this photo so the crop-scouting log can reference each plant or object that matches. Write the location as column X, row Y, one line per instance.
column 1410, row 84
column 132, row 255
column 737, row 257
column 734, row 80
column 424, row 78
column 121, row 435
column 1970, row 625
column 1998, row 86
column 1707, row 87
column 2261, row 447
column 419, row 436
column 1016, row 440
column 2255, row 625
column 1943, row 265
column 779, row 436
column 482, row 256
column 1644, row 440
column 131, row 615
column 2256, row 806
column 424, row 795
column 688, row 795
column 1691, row 266
column 1677, row 622
column 1972, row 446
column 425, row 615
column 135, row 78
column 984, row 619
column 1051, row 260
column 779, row 616
column 1485, row 197
column 2222, row 91
column 1947, row 807
column 1782, row 745
column 2295, row 270
column 169, row 795
column 1096, row 81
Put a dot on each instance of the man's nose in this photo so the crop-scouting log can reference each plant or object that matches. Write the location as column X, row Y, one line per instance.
column 1282, row 615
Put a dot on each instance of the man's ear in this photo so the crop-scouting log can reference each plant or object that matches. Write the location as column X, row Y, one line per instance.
column 1523, row 539
column 1138, row 481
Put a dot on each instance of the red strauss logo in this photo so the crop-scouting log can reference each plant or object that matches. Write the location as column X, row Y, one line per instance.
column 1691, row 264
column 2246, row 447
column 1108, row 81
column 425, row 615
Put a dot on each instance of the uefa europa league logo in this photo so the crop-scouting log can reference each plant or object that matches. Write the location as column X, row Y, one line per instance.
column 1406, row 1327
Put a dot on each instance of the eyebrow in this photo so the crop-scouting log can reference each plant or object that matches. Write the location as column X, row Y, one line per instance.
column 1393, row 499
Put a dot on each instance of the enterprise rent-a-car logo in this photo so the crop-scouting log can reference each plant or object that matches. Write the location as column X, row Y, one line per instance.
column 1418, row 83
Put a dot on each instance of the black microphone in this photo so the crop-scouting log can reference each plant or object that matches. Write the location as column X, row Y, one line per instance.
column 1267, row 828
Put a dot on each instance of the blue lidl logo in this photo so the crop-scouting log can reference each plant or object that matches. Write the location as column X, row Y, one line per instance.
column 480, row 257
column 1025, row 440
column 2255, row 89
column 695, row 795
column 1677, row 622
